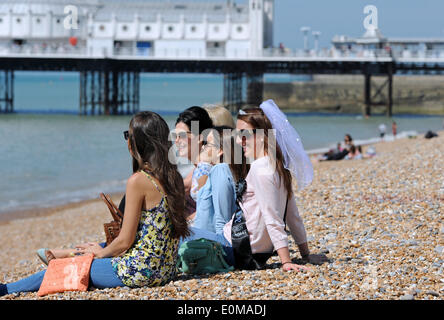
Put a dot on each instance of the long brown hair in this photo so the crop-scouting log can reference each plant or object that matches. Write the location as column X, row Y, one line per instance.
column 227, row 142
column 258, row 120
column 148, row 137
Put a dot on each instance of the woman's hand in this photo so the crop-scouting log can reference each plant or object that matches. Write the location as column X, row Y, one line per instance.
column 90, row 247
column 292, row 266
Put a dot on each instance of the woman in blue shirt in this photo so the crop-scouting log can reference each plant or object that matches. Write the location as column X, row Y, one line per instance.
column 216, row 196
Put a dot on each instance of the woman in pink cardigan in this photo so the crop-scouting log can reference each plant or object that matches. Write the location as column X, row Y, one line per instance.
column 278, row 155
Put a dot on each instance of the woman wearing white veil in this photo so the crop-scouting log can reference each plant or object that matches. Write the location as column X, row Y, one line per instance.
column 271, row 142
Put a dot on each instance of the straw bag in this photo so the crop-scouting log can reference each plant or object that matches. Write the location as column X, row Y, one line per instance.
column 67, row 274
column 112, row 229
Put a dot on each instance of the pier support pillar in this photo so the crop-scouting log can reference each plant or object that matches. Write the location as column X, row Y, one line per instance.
column 379, row 98
column 367, row 94
column 6, row 91
column 390, row 91
column 109, row 92
column 255, row 89
column 233, row 99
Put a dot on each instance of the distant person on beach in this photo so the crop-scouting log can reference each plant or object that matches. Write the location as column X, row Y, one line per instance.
column 394, row 129
column 269, row 192
column 154, row 218
column 339, row 148
column 354, row 153
column 216, row 197
column 430, row 134
column 339, row 153
column 382, row 128
column 348, row 140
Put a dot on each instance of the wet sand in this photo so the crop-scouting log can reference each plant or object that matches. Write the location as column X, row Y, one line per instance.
column 378, row 220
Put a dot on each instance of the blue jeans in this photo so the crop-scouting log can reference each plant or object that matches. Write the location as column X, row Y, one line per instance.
column 196, row 233
column 101, row 276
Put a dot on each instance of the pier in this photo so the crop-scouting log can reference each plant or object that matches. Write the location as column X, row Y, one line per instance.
column 114, row 42
column 110, row 85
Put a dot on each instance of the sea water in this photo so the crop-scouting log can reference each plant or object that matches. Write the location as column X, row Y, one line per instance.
column 50, row 155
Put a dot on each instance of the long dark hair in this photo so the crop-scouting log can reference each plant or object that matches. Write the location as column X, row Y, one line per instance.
column 258, row 120
column 148, row 137
column 196, row 113
column 227, row 142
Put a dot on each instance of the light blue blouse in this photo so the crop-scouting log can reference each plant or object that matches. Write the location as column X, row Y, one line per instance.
column 216, row 200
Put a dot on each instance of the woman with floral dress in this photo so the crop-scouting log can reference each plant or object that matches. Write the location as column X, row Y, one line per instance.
column 145, row 252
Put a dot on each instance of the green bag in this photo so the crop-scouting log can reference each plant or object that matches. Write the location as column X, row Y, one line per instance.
column 202, row 256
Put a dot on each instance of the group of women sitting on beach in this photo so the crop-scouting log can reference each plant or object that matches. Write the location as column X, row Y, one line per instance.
column 162, row 209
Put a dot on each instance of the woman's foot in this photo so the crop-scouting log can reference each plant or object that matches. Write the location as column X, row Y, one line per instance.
column 49, row 255
column 45, row 255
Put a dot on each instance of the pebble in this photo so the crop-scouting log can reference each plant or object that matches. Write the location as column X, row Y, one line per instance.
column 330, row 236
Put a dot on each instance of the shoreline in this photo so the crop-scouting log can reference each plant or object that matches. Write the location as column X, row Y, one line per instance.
column 38, row 212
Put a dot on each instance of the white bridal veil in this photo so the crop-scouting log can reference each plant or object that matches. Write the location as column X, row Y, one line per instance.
column 296, row 159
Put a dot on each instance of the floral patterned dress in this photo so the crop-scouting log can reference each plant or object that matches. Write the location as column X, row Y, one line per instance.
column 151, row 261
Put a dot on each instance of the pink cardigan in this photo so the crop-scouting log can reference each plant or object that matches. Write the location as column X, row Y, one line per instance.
column 263, row 207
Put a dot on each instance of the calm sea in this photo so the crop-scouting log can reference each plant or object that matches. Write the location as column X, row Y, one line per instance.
column 49, row 155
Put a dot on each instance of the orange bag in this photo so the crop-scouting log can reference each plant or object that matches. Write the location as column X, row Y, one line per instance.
column 67, row 274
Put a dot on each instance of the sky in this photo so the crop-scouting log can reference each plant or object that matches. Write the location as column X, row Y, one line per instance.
column 396, row 18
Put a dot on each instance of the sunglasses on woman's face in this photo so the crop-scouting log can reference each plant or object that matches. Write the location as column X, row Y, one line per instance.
column 206, row 144
column 126, row 134
column 245, row 133
column 182, row 135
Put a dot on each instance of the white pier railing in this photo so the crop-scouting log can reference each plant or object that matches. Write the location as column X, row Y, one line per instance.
column 332, row 54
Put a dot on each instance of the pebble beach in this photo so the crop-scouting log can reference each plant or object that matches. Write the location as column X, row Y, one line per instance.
column 378, row 220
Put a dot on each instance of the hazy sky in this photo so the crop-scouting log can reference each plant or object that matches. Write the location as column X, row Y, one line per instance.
column 396, row 18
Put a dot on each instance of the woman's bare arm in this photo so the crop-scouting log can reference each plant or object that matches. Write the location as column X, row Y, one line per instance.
column 133, row 207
